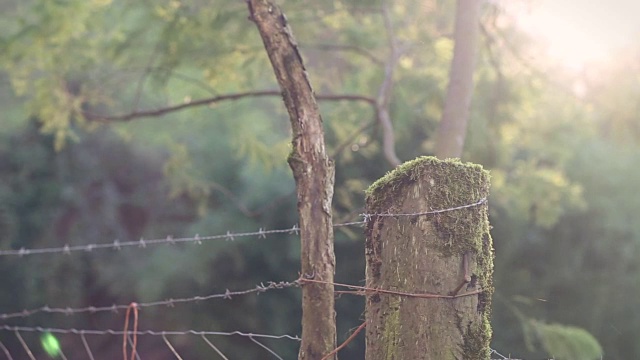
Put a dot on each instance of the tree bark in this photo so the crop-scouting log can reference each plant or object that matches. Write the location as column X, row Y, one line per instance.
column 423, row 254
column 453, row 125
column 314, row 175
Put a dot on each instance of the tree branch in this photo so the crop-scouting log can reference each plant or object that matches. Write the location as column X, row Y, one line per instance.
column 243, row 208
column 338, row 149
column 216, row 99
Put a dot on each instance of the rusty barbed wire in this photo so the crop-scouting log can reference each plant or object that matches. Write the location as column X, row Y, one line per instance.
column 260, row 288
column 363, row 290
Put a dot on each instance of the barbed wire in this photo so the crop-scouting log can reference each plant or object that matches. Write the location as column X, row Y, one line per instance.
column 143, row 243
column 260, row 288
column 228, row 236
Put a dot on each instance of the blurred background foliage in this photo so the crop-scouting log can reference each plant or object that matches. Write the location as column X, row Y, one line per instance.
column 564, row 167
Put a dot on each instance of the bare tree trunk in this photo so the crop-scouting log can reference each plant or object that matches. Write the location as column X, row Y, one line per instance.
column 314, row 175
column 384, row 93
column 422, row 254
column 453, row 126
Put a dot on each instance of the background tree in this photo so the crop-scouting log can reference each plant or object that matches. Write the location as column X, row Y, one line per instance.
column 452, row 129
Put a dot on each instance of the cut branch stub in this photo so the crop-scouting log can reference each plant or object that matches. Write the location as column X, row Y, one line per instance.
column 424, row 254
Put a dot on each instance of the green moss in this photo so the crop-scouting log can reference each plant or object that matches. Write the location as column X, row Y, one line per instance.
column 411, row 171
column 476, row 340
column 392, row 328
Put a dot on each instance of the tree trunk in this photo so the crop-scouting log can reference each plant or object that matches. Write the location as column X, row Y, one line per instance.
column 423, row 254
column 453, row 125
column 314, row 176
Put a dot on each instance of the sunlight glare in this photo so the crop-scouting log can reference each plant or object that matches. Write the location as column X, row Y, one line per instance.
column 578, row 33
column 565, row 44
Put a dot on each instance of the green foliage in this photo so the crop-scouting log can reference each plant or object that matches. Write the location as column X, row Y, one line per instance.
column 536, row 194
column 563, row 342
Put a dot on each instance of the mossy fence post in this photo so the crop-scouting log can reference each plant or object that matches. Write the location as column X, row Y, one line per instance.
column 423, row 254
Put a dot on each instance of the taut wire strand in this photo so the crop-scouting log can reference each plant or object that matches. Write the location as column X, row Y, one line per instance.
column 6, row 351
column 214, row 347
column 86, row 346
column 24, row 345
column 173, row 350
column 40, row 329
column 265, row 347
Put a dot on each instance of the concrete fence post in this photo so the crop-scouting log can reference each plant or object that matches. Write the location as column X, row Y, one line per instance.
column 428, row 247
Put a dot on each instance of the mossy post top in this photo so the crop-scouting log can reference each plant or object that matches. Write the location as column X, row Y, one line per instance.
column 452, row 171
